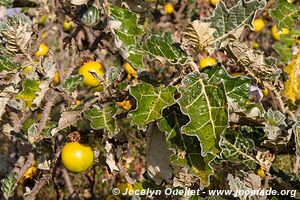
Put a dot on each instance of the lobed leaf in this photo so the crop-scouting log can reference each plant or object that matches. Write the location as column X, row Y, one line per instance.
column 150, row 102
column 228, row 21
column 164, row 49
column 6, row 65
column 29, row 90
column 238, row 149
column 124, row 25
column 103, row 118
column 205, row 104
column 71, row 82
column 285, row 14
column 186, row 149
column 237, row 88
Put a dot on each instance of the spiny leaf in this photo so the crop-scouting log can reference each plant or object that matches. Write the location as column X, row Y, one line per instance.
column 103, row 118
column 17, row 32
column 71, row 83
column 292, row 85
column 261, row 69
column 205, row 104
column 200, row 35
column 7, row 185
column 227, row 21
column 6, row 65
column 124, row 25
column 164, row 49
column 150, row 102
column 274, row 121
column 237, row 88
column 238, row 149
column 186, row 149
column 29, row 90
column 285, row 14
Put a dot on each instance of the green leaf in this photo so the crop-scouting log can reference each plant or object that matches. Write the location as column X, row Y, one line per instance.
column 71, row 83
column 284, row 163
column 7, row 186
column 29, row 90
column 164, row 49
column 285, row 14
column 6, row 3
column 227, row 21
column 150, row 102
column 285, row 46
column 187, row 149
column 103, row 118
column 238, row 149
column 205, row 104
column 274, row 121
column 7, row 65
column 124, row 25
column 237, row 88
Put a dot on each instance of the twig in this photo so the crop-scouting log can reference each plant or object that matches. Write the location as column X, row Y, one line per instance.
column 68, row 181
column 45, row 178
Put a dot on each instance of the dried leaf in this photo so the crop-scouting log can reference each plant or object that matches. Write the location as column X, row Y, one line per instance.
column 158, row 154
column 67, row 119
column 17, row 32
column 200, row 35
column 110, row 157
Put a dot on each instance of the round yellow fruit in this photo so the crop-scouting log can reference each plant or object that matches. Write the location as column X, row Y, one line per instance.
column 169, row 8
column 258, row 25
column 43, row 50
column 291, row 1
column 205, row 62
column 89, row 70
column 68, row 25
column 266, row 92
column 214, row 2
column 124, row 187
column 77, row 157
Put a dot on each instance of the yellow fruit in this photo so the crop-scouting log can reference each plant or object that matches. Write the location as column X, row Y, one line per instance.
column 123, row 187
column 42, row 20
column 68, row 26
column 77, row 102
column 44, row 35
column 261, row 172
column 276, row 34
column 258, row 25
column 214, row 2
column 56, row 79
column 126, row 105
column 291, row 1
column 130, row 71
column 29, row 174
column 89, row 70
column 205, row 62
column 255, row 45
column 169, row 8
column 43, row 50
column 266, row 92
column 285, row 31
column 77, row 157
column 112, row 197
column 27, row 69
